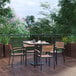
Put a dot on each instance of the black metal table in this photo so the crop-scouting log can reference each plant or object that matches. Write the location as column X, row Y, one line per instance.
column 35, row 63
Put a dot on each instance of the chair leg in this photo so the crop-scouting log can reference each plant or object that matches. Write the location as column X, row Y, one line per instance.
column 9, row 60
column 41, row 67
column 54, row 62
column 49, row 61
column 26, row 59
column 56, row 57
column 46, row 60
column 41, row 64
column 63, row 54
column 38, row 59
column 12, row 60
column 21, row 59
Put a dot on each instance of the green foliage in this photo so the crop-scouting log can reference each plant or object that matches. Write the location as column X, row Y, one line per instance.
column 69, row 39
column 65, row 39
column 30, row 20
column 41, row 27
column 9, row 25
column 65, row 19
column 72, row 38
column 5, row 39
column 3, row 3
column 20, row 27
column 4, row 9
column 5, row 30
column 5, row 26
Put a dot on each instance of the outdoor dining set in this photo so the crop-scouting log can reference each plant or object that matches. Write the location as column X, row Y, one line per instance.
column 40, row 50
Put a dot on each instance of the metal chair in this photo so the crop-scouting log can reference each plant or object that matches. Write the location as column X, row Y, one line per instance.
column 16, row 51
column 29, row 50
column 44, row 52
column 59, row 46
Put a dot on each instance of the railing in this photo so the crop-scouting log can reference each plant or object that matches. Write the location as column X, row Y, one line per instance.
column 16, row 40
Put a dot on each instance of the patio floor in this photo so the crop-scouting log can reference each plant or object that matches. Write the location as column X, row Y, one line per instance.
column 67, row 69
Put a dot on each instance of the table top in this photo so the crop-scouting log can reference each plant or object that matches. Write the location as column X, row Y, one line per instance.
column 35, row 43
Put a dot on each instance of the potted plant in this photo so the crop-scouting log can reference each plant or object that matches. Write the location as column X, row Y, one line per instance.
column 6, row 47
column 5, row 38
column 7, row 27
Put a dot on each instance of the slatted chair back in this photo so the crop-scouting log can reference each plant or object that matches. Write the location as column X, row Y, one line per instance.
column 59, row 44
column 26, row 45
column 47, row 48
column 10, row 46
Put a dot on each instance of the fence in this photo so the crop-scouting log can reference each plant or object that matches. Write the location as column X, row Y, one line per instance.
column 17, row 40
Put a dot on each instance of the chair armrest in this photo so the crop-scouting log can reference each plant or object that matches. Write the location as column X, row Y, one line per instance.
column 15, row 48
column 59, row 48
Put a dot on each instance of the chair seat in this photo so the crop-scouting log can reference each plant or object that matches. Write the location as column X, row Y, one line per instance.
column 17, row 54
column 19, row 49
column 44, row 56
column 30, row 51
column 55, row 51
column 26, row 45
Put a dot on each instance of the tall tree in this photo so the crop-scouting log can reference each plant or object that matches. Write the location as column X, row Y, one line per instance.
column 30, row 20
column 5, row 10
column 66, row 17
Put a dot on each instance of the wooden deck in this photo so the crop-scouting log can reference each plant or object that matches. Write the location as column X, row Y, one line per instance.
column 67, row 69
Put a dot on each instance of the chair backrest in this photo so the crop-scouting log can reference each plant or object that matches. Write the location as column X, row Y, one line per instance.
column 27, row 45
column 10, row 47
column 59, row 45
column 47, row 48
